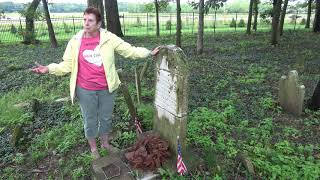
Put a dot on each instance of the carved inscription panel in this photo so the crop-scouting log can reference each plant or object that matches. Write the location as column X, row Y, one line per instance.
column 166, row 92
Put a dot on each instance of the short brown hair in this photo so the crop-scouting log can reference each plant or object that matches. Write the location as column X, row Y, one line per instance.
column 95, row 12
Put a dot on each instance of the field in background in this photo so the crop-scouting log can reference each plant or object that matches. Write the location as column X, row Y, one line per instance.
column 138, row 24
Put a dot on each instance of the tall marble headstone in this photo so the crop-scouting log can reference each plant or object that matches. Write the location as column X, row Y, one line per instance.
column 171, row 96
column 291, row 93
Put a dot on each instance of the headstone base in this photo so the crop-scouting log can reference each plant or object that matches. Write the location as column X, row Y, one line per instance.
column 189, row 156
column 190, row 159
column 148, row 175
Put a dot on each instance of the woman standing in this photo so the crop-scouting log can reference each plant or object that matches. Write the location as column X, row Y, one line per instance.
column 90, row 58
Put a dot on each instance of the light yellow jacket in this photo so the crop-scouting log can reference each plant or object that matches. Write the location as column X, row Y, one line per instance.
column 109, row 44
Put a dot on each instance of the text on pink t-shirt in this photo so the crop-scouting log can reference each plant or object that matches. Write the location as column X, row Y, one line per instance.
column 91, row 74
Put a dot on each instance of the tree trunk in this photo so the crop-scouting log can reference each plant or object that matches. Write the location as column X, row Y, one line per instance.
column 249, row 17
column 215, row 20
column 316, row 25
column 30, row 36
column 275, row 22
column 98, row 4
column 93, row 3
column 200, row 27
column 52, row 36
column 112, row 15
column 178, row 33
column 157, row 16
column 255, row 9
column 283, row 15
column 309, row 14
column 101, row 7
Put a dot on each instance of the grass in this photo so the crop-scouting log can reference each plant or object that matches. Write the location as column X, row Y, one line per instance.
column 12, row 115
column 234, row 113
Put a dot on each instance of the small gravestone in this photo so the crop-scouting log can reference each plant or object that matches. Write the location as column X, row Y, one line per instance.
column 115, row 168
column 17, row 134
column 314, row 102
column 291, row 94
column 111, row 171
column 111, row 167
column 171, row 96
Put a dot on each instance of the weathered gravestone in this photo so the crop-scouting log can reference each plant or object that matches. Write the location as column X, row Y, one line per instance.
column 291, row 94
column 171, row 96
column 314, row 102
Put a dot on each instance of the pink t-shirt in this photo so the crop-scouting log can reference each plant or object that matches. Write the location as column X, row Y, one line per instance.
column 91, row 74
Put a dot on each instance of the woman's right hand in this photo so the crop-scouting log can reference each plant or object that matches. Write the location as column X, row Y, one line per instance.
column 40, row 69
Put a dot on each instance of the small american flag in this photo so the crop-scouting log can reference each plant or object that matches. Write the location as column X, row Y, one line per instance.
column 138, row 125
column 181, row 167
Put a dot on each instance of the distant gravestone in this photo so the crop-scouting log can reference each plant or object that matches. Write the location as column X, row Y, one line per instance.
column 171, row 96
column 291, row 94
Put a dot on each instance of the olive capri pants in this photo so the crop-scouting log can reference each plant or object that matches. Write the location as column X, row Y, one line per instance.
column 96, row 108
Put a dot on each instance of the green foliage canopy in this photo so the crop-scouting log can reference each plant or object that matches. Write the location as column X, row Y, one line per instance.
column 163, row 6
column 214, row 4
